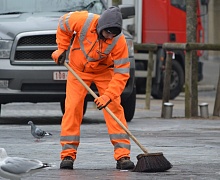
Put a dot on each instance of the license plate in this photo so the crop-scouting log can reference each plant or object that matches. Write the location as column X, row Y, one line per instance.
column 59, row 75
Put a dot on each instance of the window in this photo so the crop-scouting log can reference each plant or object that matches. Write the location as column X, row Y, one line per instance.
column 180, row 4
column 22, row 6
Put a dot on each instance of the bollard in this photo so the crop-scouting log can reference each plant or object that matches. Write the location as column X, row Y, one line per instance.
column 204, row 112
column 168, row 110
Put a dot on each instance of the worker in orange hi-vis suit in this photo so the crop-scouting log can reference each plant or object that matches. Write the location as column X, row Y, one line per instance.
column 99, row 55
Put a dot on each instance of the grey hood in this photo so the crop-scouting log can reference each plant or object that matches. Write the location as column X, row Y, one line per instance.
column 111, row 17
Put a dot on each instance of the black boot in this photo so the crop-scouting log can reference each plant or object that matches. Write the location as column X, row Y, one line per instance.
column 67, row 163
column 124, row 163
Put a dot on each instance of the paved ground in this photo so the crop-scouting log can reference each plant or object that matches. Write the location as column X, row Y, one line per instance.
column 191, row 145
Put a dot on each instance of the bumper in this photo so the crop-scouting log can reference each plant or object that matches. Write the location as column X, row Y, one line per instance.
column 36, row 84
column 27, row 83
column 9, row 96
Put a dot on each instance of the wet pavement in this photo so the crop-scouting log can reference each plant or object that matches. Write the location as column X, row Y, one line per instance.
column 191, row 145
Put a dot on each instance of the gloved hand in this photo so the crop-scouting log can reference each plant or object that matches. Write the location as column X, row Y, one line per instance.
column 59, row 56
column 102, row 101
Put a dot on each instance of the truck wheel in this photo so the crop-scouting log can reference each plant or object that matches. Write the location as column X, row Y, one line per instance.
column 62, row 105
column 176, row 84
column 129, row 105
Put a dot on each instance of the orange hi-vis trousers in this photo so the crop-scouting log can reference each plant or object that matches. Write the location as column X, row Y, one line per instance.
column 72, row 118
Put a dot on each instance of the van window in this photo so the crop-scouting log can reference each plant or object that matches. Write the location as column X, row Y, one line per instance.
column 180, row 4
column 22, row 6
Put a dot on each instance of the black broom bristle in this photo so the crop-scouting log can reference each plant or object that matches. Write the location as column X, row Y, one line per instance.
column 152, row 162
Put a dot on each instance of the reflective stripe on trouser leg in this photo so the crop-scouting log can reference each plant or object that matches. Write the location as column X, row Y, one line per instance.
column 118, row 136
column 69, row 146
column 121, row 145
column 72, row 118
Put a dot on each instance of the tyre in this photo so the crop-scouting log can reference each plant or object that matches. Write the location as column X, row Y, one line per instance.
column 176, row 83
column 129, row 105
column 62, row 106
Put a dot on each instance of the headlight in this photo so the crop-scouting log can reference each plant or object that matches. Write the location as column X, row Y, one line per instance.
column 5, row 48
column 130, row 47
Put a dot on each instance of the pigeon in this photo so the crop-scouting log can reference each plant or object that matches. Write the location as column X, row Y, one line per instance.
column 37, row 132
column 17, row 167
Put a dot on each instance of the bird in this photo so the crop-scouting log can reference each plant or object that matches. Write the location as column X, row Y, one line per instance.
column 37, row 132
column 16, row 168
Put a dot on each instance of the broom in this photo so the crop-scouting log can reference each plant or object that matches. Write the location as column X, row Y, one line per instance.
column 147, row 162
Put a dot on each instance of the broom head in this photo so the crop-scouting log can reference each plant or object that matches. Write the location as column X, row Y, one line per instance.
column 152, row 162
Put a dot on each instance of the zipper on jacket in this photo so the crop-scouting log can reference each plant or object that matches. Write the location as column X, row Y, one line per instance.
column 91, row 48
column 88, row 54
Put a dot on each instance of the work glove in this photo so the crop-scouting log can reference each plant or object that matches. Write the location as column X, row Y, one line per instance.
column 102, row 101
column 59, row 56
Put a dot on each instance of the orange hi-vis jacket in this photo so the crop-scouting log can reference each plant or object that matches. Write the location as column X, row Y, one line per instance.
column 89, row 53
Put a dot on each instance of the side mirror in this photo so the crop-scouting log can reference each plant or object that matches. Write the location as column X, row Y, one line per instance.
column 128, row 11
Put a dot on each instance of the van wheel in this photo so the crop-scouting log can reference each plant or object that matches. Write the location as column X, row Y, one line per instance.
column 129, row 105
column 62, row 105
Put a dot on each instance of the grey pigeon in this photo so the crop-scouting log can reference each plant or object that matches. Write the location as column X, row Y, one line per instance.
column 37, row 132
column 17, row 167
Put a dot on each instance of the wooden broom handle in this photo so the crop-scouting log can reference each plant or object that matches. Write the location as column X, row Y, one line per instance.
column 106, row 108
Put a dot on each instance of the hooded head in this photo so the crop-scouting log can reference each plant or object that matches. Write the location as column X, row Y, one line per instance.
column 111, row 21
